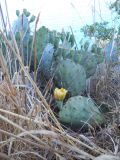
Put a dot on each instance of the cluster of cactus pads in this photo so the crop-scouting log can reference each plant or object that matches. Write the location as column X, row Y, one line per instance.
column 68, row 67
column 22, row 25
column 68, row 73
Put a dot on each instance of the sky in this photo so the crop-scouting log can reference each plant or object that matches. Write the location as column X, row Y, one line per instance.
column 59, row 14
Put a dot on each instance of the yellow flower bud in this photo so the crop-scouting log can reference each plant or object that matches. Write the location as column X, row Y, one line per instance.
column 59, row 94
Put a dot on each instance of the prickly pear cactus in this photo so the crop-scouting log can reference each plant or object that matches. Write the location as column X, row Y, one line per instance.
column 46, row 61
column 70, row 76
column 77, row 58
column 62, row 43
column 21, row 26
column 98, row 52
column 79, row 111
column 21, row 30
column 88, row 61
column 43, row 37
column 61, row 53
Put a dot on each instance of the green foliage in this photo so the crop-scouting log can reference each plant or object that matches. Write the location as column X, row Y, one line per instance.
column 88, row 30
column 79, row 111
column 101, row 31
column 70, row 76
column 116, row 6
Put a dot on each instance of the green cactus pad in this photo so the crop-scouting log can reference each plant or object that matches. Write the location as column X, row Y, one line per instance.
column 46, row 61
column 79, row 111
column 70, row 76
column 89, row 62
column 87, row 59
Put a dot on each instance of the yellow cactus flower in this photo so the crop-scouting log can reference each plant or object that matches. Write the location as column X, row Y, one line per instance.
column 59, row 94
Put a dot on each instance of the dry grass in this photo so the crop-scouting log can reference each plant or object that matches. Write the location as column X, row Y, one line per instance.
column 29, row 128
